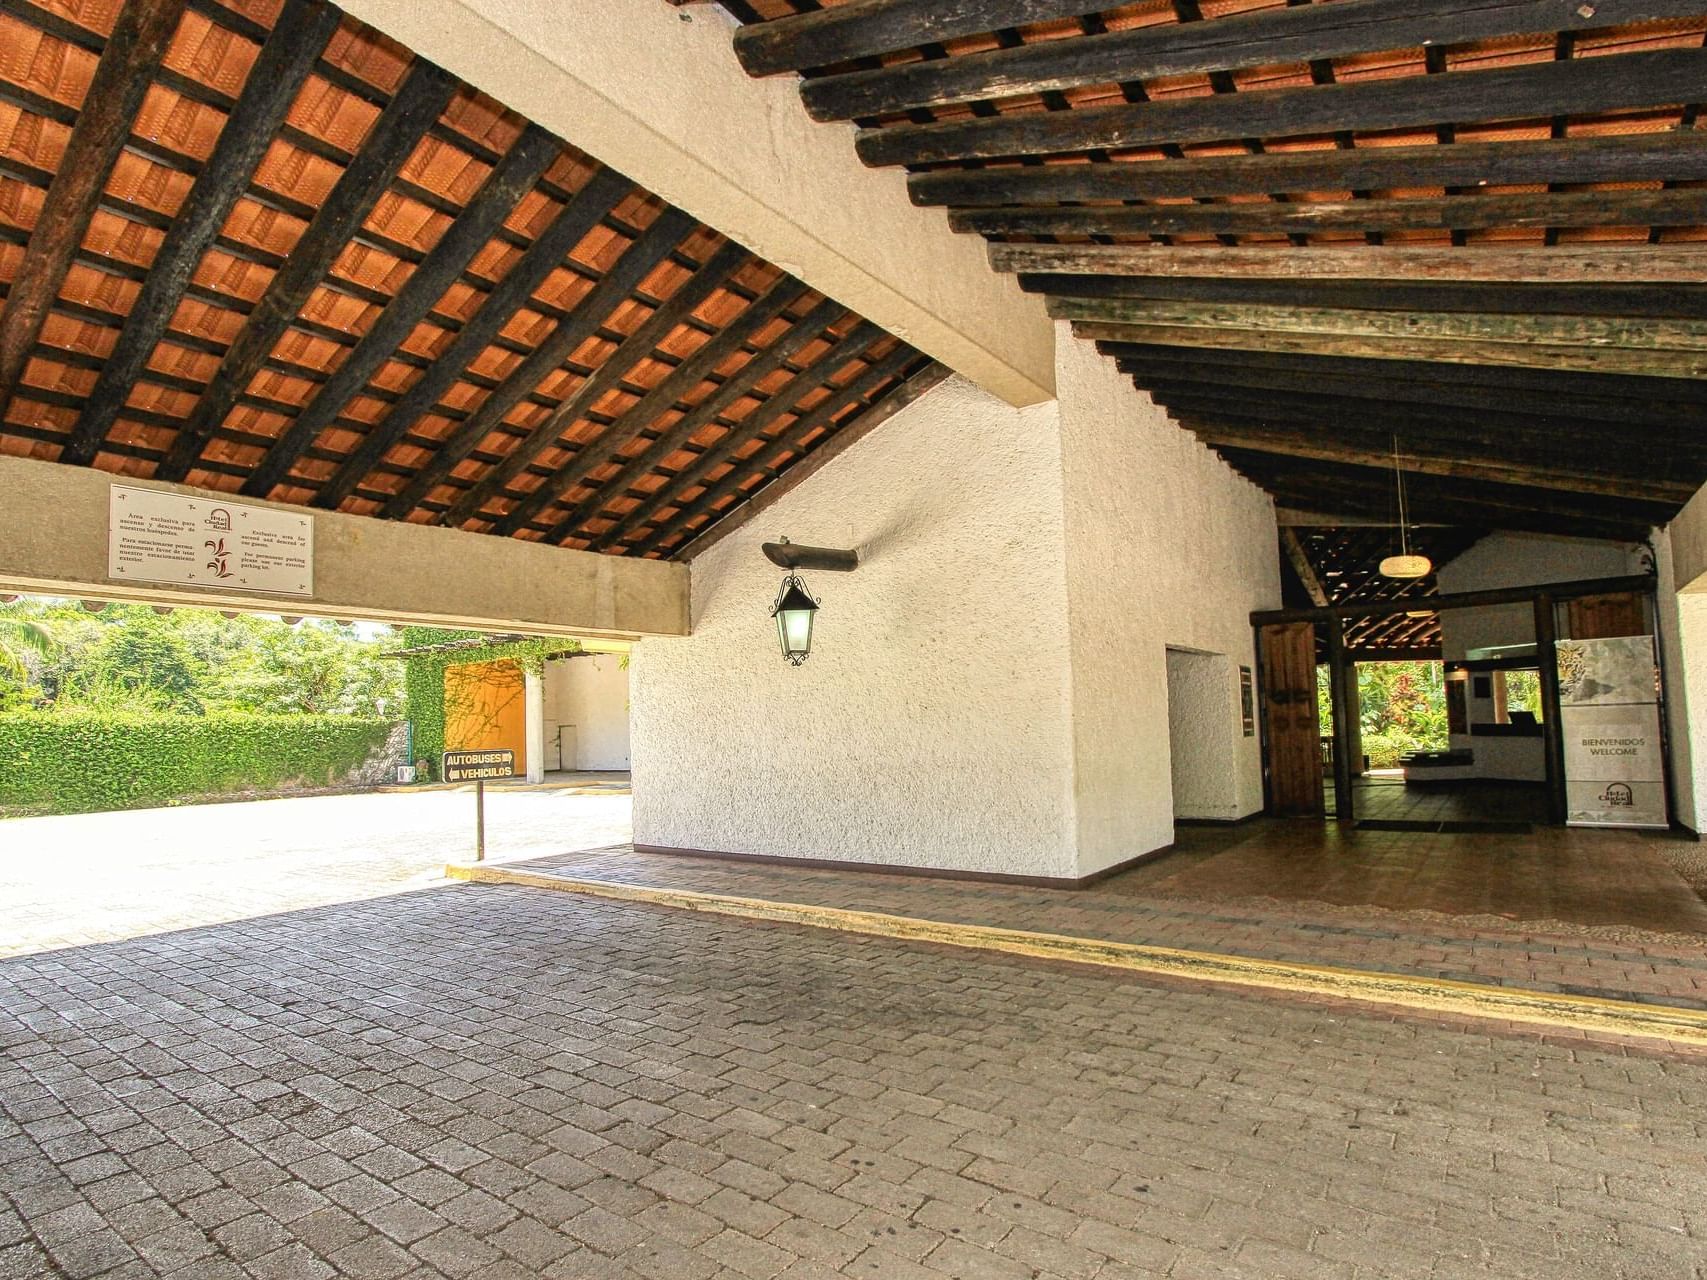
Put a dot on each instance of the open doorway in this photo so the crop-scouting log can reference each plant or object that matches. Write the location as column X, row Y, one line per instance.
column 1201, row 731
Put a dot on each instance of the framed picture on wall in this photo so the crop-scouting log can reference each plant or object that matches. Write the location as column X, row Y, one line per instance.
column 1248, row 702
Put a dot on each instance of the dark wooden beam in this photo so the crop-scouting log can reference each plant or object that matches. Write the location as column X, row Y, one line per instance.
column 127, row 66
column 1520, row 351
column 1485, row 425
column 699, row 366
column 739, row 384
column 1657, row 264
column 1636, row 157
column 515, row 291
column 1299, row 559
column 419, row 100
column 636, row 263
column 866, row 27
column 1454, row 500
column 1610, row 397
column 512, row 178
column 1678, row 301
column 783, row 400
column 839, row 400
column 1577, row 86
column 761, row 366
column 1677, row 207
column 1330, row 443
column 1265, row 38
column 290, row 53
column 809, row 464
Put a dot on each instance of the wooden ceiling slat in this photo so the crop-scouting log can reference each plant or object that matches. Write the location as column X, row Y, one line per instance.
column 285, row 60
column 420, row 99
column 1676, row 207
column 1657, row 264
column 514, row 176
column 127, row 66
column 1521, row 352
column 637, row 261
column 1648, row 301
column 1220, row 428
column 844, row 33
column 547, row 253
column 713, row 408
column 1579, row 86
column 747, row 428
column 866, row 386
column 1635, row 157
column 696, row 369
column 1264, row 38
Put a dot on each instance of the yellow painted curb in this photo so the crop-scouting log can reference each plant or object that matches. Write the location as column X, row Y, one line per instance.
column 1588, row 1014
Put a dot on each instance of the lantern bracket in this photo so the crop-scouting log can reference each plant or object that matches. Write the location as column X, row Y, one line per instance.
column 789, row 555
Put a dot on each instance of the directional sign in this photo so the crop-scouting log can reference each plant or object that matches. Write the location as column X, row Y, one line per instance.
column 479, row 766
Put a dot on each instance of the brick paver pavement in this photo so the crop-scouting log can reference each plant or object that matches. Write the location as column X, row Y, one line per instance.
column 1660, row 971
column 499, row 1083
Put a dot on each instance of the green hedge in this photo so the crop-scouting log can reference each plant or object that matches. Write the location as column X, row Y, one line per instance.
column 88, row 761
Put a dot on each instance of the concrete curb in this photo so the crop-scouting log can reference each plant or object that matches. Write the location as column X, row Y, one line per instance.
column 1591, row 1015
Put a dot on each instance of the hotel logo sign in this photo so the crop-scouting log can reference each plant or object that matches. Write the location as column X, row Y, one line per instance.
column 184, row 541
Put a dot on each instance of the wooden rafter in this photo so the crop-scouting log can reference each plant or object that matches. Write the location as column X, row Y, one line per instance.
column 127, row 66
column 418, row 102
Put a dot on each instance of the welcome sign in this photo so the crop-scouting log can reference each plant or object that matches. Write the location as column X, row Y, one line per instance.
column 1610, row 721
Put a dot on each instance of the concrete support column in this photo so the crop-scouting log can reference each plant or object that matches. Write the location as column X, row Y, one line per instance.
column 534, row 692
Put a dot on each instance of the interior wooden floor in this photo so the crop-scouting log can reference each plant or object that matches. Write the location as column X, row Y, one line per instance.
column 1572, row 875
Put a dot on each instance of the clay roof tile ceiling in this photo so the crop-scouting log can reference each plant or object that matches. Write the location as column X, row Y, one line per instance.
column 273, row 253
column 1309, row 227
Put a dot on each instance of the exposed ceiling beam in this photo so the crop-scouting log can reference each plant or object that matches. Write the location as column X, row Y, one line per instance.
column 397, row 131
column 127, row 66
column 1636, row 157
column 642, row 257
column 1574, row 86
column 1218, row 430
column 827, row 451
column 511, row 179
column 524, row 379
column 1656, row 264
column 290, row 53
column 1520, row 351
column 821, row 415
column 843, row 33
column 514, row 292
column 1300, row 562
column 1678, row 207
column 1676, row 300
column 1264, row 38
column 670, row 391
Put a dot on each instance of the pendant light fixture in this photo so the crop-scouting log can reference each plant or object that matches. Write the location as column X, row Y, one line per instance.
column 795, row 609
column 1407, row 564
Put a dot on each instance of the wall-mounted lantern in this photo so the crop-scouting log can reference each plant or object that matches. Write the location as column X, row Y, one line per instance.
column 795, row 609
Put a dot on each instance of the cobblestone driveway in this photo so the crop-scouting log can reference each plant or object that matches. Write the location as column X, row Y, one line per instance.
column 97, row 877
column 504, row 1082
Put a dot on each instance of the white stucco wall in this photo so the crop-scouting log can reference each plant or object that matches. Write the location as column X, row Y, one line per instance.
column 1682, row 625
column 930, row 726
column 1166, row 545
column 588, row 699
column 1199, row 739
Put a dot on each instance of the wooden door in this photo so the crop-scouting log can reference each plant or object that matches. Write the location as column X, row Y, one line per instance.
column 1293, row 737
column 1602, row 617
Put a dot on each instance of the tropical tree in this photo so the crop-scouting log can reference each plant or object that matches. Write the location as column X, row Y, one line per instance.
column 21, row 637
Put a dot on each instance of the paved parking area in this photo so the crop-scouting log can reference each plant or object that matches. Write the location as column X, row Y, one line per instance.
column 504, row 1083
column 97, row 877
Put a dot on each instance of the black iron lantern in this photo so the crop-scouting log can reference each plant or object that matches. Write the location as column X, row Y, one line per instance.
column 793, row 611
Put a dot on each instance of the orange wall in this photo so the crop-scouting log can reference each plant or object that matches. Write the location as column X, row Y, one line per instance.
column 486, row 709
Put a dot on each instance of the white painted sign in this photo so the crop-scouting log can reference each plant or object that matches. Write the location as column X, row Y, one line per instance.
column 209, row 544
